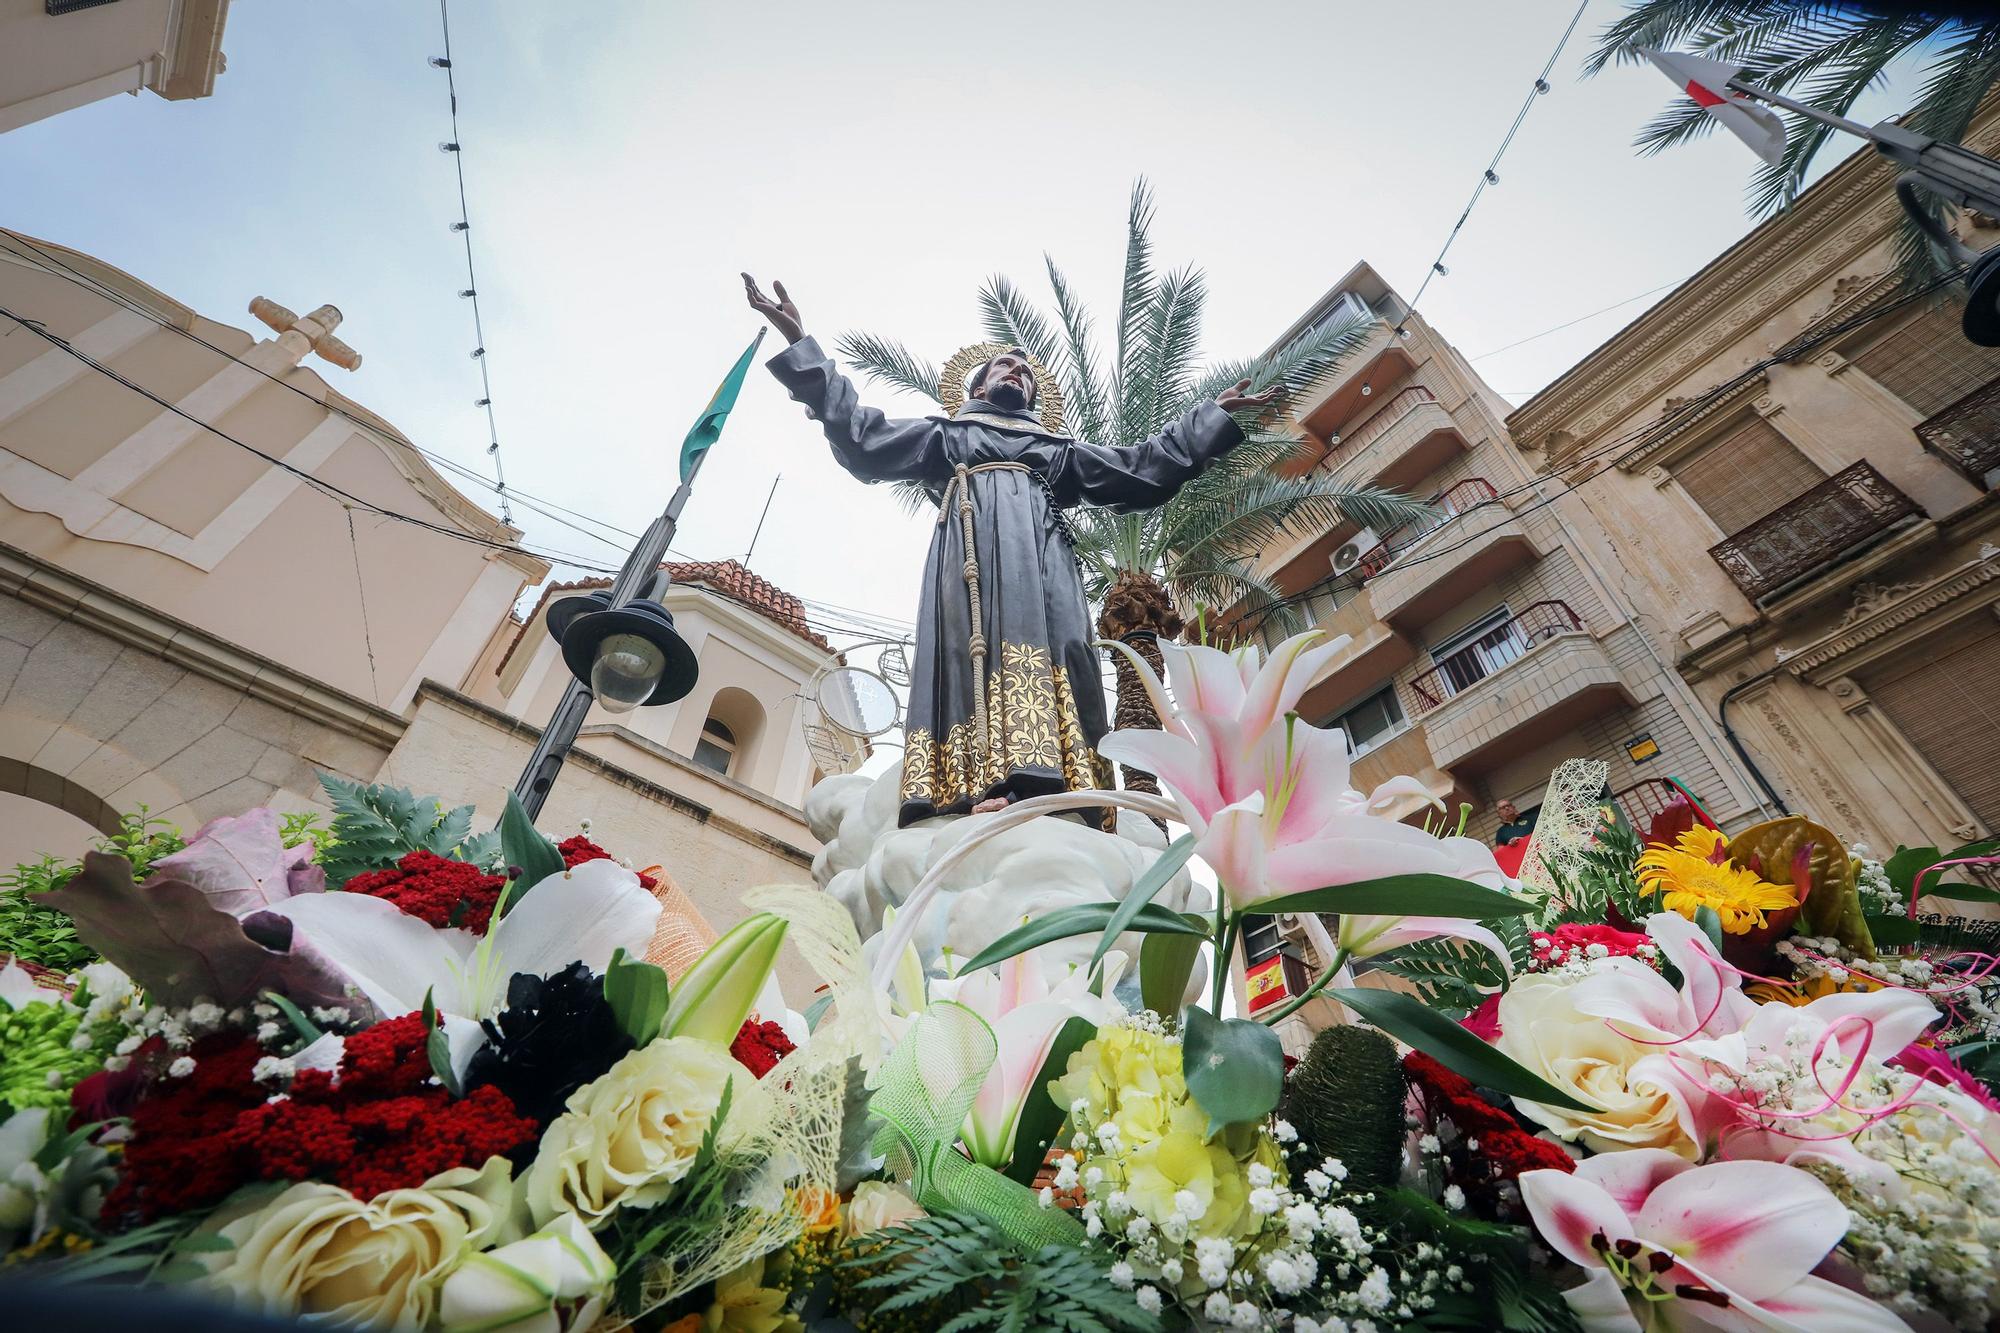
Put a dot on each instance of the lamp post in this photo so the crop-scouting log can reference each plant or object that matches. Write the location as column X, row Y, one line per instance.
column 621, row 649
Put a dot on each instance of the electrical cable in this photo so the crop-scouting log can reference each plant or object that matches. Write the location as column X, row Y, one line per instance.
column 453, row 147
column 1533, row 337
column 1491, row 176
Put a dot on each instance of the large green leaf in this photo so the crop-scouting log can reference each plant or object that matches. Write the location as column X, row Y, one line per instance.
column 637, row 992
column 1072, row 921
column 1416, row 1025
column 1165, row 964
column 526, row 850
column 1235, row 1067
column 1144, row 891
column 1041, row 1115
column 1401, row 895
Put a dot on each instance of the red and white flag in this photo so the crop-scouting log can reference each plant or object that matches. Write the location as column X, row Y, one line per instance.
column 1707, row 82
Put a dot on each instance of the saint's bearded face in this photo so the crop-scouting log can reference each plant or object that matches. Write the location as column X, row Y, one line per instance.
column 1007, row 382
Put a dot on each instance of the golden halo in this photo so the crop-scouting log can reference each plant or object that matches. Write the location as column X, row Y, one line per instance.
column 951, row 382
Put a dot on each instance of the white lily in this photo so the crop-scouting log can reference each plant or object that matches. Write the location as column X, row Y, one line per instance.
column 22, row 1183
column 581, row 915
column 19, row 990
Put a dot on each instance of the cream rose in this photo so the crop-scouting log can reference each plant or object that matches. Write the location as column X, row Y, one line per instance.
column 317, row 1251
column 1542, row 1030
column 877, row 1205
column 626, row 1138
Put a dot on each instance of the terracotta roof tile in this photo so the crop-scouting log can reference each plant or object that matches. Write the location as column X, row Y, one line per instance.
column 729, row 578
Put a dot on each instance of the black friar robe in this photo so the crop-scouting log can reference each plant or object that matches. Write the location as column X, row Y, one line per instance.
column 1042, row 697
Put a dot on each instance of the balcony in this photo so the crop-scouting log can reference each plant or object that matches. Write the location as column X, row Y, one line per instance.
column 1850, row 510
column 1408, row 438
column 1380, row 360
column 1528, row 680
column 1407, row 754
column 1967, row 435
column 1424, row 568
column 1377, row 653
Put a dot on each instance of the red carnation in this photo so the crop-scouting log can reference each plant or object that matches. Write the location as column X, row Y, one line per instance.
column 1505, row 1149
column 575, row 851
column 759, row 1046
column 436, row 890
column 1573, row 940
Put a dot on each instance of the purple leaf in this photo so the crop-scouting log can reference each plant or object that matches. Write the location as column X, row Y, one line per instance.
column 239, row 863
column 171, row 937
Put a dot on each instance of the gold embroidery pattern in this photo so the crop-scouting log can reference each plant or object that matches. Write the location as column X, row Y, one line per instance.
column 1032, row 722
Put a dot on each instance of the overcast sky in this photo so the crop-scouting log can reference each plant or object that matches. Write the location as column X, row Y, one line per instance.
column 625, row 160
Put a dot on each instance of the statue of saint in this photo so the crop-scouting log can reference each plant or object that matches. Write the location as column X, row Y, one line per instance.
column 1006, row 699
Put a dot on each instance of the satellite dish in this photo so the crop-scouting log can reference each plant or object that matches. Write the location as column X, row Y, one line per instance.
column 857, row 701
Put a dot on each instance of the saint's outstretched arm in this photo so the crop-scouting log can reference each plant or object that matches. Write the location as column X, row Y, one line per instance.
column 866, row 443
column 1146, row 475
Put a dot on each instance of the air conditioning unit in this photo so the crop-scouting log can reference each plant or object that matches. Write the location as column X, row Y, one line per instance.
column 1350, row 553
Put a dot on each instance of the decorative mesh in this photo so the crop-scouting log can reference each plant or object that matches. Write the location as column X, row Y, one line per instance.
column 1572, row 809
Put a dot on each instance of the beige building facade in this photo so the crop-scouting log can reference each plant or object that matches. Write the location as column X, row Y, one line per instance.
column 219, row 577
column 1788, row 468
column 60, row 54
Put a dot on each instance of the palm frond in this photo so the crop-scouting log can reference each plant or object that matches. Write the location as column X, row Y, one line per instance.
column 1160, row 388
column 1009, row 317
column 1674, row 23
column 1137, row 293
column 888, row 361
column 916, row 497
column 1079, row 364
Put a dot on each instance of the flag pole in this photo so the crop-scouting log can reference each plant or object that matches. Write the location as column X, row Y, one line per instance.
column 634, row 580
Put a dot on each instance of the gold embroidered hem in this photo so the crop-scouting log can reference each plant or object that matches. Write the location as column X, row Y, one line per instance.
column 1031, row 723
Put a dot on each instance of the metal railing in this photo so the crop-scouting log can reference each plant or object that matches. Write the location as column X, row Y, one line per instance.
column 1812, row 531
column 1445, row 506
column 1500, row 646
column 1375, row 427
column 1967, row 434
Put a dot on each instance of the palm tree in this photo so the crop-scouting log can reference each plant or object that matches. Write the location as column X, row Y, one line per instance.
column 1821, row 52
column 1145, row 571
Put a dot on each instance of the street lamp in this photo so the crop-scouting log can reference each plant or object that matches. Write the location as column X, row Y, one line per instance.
column 631, row 654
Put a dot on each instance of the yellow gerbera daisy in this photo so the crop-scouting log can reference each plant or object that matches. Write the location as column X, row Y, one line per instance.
column 1697, row 874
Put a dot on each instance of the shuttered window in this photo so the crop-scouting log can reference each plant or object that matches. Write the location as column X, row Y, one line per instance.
column 1928, row 363
column 1945, row 698
column 1745, row 474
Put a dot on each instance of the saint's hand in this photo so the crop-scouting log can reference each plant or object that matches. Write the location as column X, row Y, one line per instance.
column 784, row 316
column 1240, row 399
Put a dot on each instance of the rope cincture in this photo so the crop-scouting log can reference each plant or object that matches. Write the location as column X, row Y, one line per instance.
column 961, row 486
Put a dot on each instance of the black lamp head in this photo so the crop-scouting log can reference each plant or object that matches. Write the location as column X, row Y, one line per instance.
column 580, row 624
column 1982, row 305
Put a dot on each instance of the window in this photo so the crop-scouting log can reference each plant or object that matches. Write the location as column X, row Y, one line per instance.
column 1371, row 722
column 716, row 749
column 1314, row 609
column 1928, row 363
column 1479, row 650
column 1261, row 940
column 1745, row 474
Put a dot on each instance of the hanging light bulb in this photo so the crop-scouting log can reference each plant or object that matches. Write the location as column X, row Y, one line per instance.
column 1367, row 389
column 439, row 62
column 478, row 352
column 1541, row 85
column 625, row 672
column 461, row 226
column 1492, row 176
column 447, row 146
column 467, row 292
column 1442, row 271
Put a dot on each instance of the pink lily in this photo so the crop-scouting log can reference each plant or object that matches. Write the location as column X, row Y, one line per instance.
column 1026, row 1014
column 1670, row 1245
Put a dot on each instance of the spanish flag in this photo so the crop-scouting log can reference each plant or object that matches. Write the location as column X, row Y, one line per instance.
column 708, row 428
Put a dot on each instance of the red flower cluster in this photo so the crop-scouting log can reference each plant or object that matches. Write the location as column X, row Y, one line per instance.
column 575, row 851
column 1572, row 941
column 435, row 890
column 1503, row 1144
column 381, row 1126
column 759, row 1046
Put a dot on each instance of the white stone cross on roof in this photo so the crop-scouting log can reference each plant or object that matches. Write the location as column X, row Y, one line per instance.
column 313, row 333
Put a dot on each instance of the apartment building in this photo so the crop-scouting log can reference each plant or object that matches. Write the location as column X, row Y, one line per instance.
column 1791, row 464
column 1488, row 646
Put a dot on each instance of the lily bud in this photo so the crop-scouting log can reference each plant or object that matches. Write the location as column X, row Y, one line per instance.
column 715, row 995
column 520, row 1286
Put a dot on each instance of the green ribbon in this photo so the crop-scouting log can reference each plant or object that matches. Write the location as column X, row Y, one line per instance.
column 923, row 1092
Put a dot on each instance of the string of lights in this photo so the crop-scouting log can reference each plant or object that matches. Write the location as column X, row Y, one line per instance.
column 454, row 149
column 1491, row 176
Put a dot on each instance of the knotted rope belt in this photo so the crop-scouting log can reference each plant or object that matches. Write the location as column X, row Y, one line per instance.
column 961, row 487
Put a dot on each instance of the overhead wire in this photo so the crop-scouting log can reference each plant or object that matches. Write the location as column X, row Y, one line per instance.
column 1570, row 324
column 454, row 148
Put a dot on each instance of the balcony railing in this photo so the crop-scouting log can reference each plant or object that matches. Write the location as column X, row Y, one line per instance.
column 1500, row 646
column 1377, row 426
column 1812, row 531
column 1445, row 506
column 1967, row 434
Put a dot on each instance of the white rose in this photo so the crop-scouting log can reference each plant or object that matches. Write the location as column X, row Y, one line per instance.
column 317, row 1251
column 877, row 1205
column 517, row 1288
column 626, row 1138
column 1541, row 1029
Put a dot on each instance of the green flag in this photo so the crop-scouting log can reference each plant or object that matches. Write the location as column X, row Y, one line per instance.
column 708, row 427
